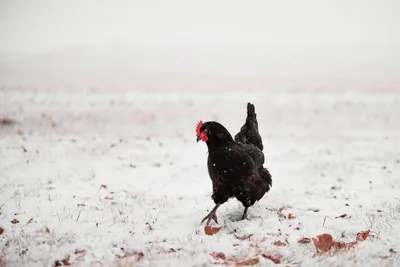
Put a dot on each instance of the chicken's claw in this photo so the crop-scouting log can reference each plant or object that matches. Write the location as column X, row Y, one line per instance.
column 211, row 216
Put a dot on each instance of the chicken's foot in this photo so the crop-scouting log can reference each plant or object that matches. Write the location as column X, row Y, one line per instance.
column 212, row 215
column 245, row 213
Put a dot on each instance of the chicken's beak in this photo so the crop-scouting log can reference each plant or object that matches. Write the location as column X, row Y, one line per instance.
column 198, row 138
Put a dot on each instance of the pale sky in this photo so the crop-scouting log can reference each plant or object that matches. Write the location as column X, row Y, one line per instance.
column 354, row 39
column 31, row 26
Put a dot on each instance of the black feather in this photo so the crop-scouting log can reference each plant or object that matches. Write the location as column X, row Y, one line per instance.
column 248, row 133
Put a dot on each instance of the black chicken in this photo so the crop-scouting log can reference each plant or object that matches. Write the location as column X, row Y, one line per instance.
column 235, row 167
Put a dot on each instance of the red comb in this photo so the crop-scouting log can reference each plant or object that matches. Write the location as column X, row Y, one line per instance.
column 198, row 128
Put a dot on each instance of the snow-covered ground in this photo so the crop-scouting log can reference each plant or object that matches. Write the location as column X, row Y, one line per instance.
column 117, row 179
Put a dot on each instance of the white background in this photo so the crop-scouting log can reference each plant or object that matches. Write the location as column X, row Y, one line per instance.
column 355, row 42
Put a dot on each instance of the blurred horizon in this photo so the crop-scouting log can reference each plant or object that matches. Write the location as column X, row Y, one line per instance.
column 134, row 45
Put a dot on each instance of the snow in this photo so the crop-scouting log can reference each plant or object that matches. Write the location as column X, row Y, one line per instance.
column 329, row 154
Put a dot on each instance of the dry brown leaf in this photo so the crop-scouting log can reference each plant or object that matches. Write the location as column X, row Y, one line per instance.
column 79, row 251
column 1, row 231
column 291, row 216
column 15, row 221
column 248, row 262
column 209, row 230
column 304, row 240
column 343, row 245
column 276, row 259
column 65, row 262
column 140, row 256
column 171, row 250
column 323, row 242
column 279, row 244
column 351, row 244
column 361, row 236
column 246, row 237
column 47, row 230
column 218, row 256
column 30, row 221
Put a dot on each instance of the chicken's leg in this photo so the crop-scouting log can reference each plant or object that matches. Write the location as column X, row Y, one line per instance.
column 245, row 213
column 212, row 215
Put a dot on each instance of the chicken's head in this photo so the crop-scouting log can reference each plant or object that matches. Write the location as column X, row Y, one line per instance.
column 201, row 132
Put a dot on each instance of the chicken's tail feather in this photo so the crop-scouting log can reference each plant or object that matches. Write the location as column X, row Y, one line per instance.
column 248, row 133
column 251, row 110
column 251, row 119
column 266, row 176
